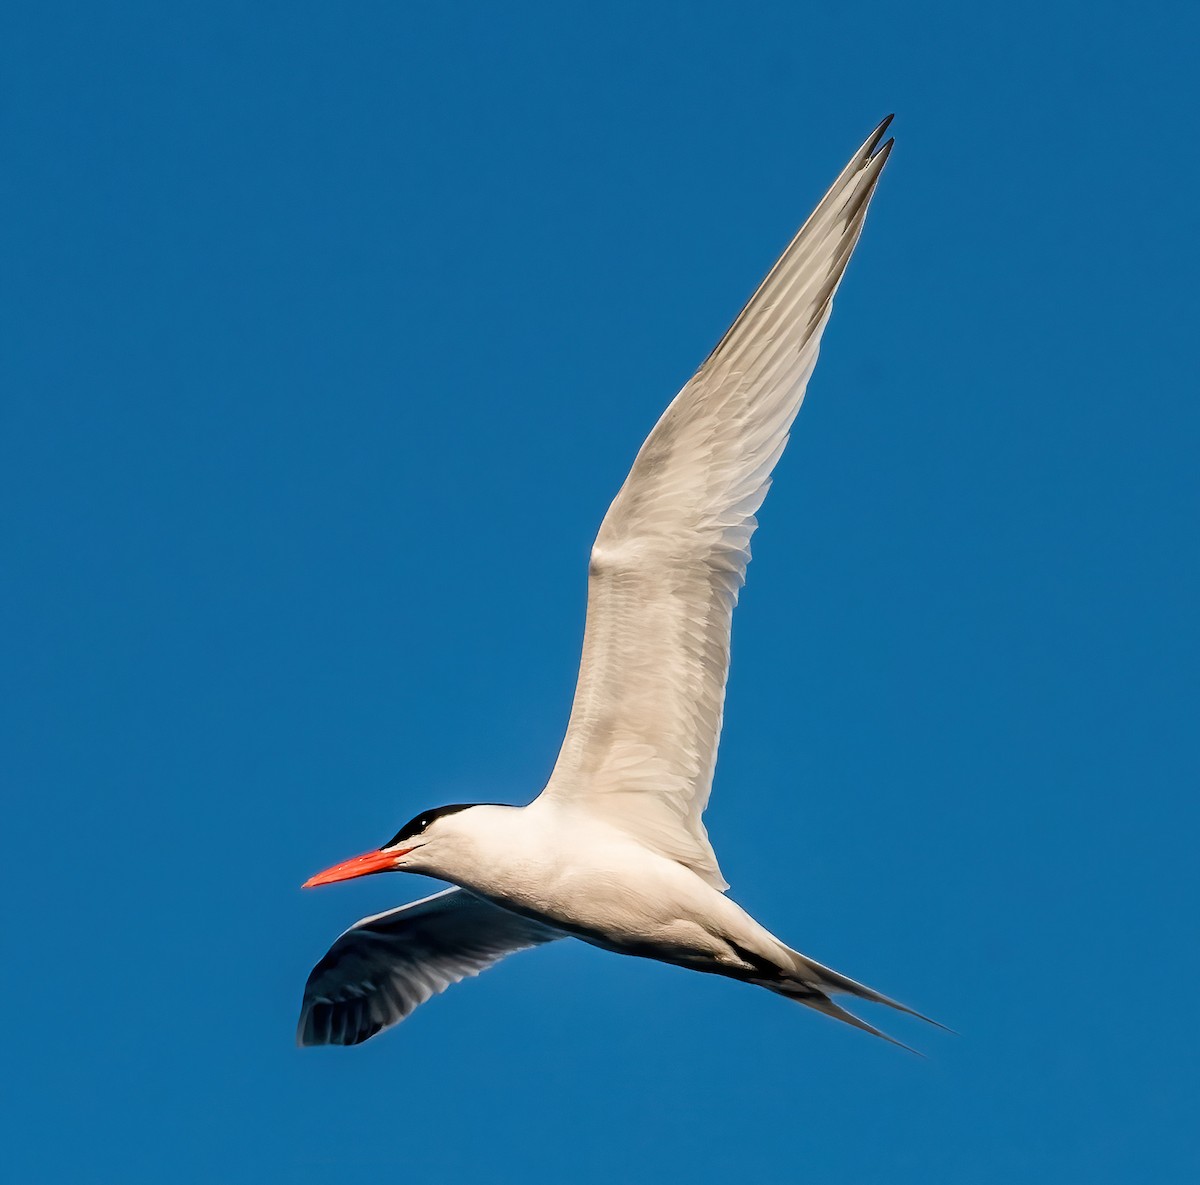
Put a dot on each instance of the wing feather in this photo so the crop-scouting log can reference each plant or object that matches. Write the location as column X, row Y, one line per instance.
column 671, row 554
column 385, row 966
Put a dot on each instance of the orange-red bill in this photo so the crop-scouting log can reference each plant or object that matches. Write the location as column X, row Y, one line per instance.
column 362, row 865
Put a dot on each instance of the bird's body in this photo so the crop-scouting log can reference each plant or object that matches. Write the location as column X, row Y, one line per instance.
column 613, row 851
column 554, row 864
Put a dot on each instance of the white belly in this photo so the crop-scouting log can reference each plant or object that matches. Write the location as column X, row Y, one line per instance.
column 602, row 886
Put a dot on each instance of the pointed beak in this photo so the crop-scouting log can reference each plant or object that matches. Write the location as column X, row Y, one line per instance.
column 362, row 865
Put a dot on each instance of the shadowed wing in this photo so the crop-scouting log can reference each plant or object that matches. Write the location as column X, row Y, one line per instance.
column 385, row 966
column 671, row 554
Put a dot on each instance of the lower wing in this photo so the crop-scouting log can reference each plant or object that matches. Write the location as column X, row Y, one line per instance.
column 385, row 966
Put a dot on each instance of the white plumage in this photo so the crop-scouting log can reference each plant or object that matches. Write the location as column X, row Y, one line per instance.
column 614, row 851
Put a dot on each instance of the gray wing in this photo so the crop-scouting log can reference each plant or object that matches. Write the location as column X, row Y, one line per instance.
column 672, row 551
column 384, row 966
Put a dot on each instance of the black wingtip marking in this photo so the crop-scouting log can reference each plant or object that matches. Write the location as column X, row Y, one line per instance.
column 877, row 135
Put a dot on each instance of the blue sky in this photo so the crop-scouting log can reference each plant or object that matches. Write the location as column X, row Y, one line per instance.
column 330, row 331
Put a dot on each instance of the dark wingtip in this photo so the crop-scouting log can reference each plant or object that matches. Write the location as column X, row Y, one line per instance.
column 877, row 135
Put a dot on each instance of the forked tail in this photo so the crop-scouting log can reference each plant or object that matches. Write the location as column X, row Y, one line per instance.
column 812, row 983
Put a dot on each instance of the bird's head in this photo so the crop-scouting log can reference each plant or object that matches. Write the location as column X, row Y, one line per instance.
column 424, row 844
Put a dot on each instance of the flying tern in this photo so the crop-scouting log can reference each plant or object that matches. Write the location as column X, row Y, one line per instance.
column 613, row 850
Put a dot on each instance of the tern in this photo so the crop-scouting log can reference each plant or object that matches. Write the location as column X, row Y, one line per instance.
column 613, row 850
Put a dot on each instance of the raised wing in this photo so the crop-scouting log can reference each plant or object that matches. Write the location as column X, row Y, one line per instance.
column 385, row 966
column 671, row 554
